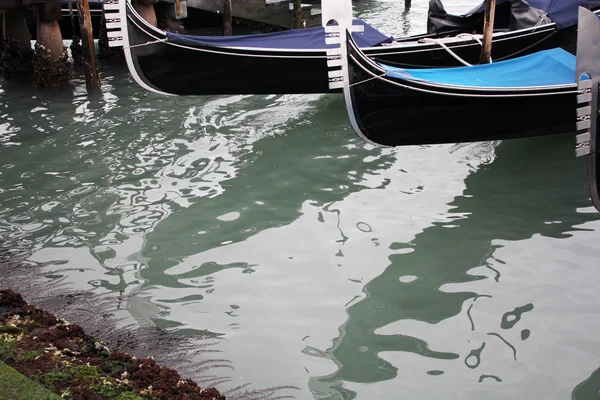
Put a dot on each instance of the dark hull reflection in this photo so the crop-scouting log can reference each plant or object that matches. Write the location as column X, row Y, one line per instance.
column 531, row 182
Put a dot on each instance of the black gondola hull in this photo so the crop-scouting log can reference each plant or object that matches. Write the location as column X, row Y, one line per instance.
column 203, row 70
column 410, row 113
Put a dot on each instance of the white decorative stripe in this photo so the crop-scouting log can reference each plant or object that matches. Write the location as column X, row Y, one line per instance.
column 334, row 52
column 338, row 73
column 334, row 62
column 584, row 124
column 583, row 151
column 584, row 98
column 116, row 43
column 583, row 111
column 358, row 28
column 114, row 34
column 113, row 25
column 332, row 29
column 111, row 6
column 587, row 84
column 336, row 85
column 583, row 138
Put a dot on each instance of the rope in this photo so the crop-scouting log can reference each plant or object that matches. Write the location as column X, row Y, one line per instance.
column 371, row 78
column 475, row 38
column 146, row 44
column 443, row 46
column 541, row 20
column 453, row 54
column 470, row 36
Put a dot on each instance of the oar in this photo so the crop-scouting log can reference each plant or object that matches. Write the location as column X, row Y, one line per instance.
column 488, row 30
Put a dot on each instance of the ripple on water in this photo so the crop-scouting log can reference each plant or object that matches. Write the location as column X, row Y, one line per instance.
column 181, row 199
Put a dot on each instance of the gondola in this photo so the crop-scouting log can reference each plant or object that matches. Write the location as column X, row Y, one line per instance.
column 588, row 79
column 526, row 96
column 296, row 61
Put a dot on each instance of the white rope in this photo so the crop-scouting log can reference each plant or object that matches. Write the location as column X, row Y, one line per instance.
column 541, row 20
column 443, row 45
column 145, row 44
column 371, row 78
column 475, row 38
column 470, row 36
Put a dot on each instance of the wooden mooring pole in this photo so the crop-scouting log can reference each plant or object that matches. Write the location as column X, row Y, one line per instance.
column 3, row 22
column 488, row 30
column 297, row 22
column 407, row 4
column 72, row 17
column 92, row 79
column 227, row 18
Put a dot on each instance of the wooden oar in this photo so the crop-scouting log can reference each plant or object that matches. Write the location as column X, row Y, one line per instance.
column 488, row 30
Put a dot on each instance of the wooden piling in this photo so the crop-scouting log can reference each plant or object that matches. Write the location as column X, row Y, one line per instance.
column 407, row 4
column 16, row 28
column 3, row 22
column 146, row 10
column 488, row 30
column 297, row 23
column 92, row 79
column 227, row 18
column 48, row 29
column 72, row 18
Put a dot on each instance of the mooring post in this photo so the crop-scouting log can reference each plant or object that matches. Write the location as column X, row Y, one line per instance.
column 146, row 10
column 72, row 17
column 90, row 67
column 3, row 22
column 15, row 27
column 407, row 4
column 297, row 22
column 488, row 30
column 227, row 18
column 48, row 30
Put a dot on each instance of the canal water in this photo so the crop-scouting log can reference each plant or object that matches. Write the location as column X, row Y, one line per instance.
column 322, row 265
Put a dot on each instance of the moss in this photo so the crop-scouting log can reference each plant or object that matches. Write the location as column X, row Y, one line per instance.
column 60, row 378
column 111, row 391
column 15, row 386
column 114, row 367
column 30, row 354
column 13, row 330
column 7, row 348
column 63, row 358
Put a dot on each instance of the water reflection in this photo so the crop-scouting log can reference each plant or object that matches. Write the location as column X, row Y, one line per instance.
column 275, row 179
column 534, row 186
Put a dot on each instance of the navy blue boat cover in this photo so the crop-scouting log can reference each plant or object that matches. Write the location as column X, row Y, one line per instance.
column 544, row 68
column 305, row 39
column 563, row 12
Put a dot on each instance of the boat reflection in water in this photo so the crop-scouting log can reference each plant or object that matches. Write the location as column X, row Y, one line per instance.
column 447, row 270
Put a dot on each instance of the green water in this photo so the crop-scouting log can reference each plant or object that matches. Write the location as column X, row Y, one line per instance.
column 345, row 270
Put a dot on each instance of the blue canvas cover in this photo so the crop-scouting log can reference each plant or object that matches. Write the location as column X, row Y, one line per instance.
column 563, row 12
column 545, row 68
column 305, row 39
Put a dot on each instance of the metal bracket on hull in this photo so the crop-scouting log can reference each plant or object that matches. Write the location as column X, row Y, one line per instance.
column 588, row 81
column 114, row 15
column 335, row 34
